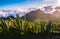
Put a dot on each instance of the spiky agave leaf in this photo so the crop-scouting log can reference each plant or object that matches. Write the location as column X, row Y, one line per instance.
column 4, row 26
column 36, row 26
column 49, row 26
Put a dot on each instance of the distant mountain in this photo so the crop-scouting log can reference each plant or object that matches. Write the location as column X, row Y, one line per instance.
column 56, row 14
column 7, row 18
column 38, row 14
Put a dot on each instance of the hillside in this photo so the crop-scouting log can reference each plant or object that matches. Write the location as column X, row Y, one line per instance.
column 38, row 14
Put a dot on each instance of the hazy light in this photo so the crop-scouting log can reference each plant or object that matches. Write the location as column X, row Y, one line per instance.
column 58, row 2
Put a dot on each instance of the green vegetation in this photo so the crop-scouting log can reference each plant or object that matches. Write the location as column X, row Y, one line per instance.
column 23, row 27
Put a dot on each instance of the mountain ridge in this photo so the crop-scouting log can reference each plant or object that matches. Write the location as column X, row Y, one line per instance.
column 38, row 14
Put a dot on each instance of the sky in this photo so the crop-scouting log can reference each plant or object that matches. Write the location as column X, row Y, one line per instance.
column 19, row 4
column 4, row 4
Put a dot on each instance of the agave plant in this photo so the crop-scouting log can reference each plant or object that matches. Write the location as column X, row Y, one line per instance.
column 43, row 27
column 20, row 26
column 3, row 25
column 49, row 26
column 36, row 27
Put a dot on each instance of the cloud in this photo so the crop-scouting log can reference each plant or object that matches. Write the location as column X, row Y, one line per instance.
column 3, row 14
column 49, row 2
column 13, row 12
column 58, row 2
